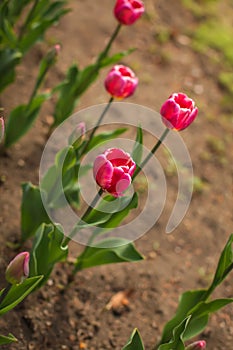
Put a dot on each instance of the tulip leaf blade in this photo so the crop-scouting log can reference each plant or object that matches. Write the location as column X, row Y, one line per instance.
column 138, row 146
column 134, row 342
column 32, row 210
column 18, row 292
column 105, row 136
column 47, row 250
column 108, row 251
column 7, row 339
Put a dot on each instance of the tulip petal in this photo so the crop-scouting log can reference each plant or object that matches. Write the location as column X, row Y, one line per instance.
column 170, row 112
column 120, row 182
column 102, row 171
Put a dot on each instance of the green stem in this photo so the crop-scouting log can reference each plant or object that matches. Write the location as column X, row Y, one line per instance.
column 152, row 152
column 109, row 44
column 85, row 215
column 97, row 125
column 5, row 292
column 28, row 19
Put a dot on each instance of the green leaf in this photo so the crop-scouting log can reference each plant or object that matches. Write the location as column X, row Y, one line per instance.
column 7, row 339
column 21, row 119
column 43, row 16
column 117, row 250
column 187, row 301
column 200, row 315
column 135, row 342
column 106, row 220
column 32, row 210
column 117, row 217
column 107, row 61
column 9, row 58
column 138, row 147
column 105, row 136
column 18, row 292
column 61, row 180
column 225, row 264
column 67, row 97
column 47, row 250
column 195, row 327
column 176, row 343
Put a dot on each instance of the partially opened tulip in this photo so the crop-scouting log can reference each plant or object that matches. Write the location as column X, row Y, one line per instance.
column 113, row 171
column 121, row 82
column 18, row 268
column 178, row 112
column 128, row 11
column 197, row 345
column 2, row 128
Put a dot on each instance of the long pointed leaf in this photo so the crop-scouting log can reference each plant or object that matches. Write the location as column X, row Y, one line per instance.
column 135, row 342
column 18, row 292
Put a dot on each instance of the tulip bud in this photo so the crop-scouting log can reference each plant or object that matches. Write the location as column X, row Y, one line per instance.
column 121, row 81
column 18, row 268
column 2, row 128
column 113, row 171
column 200, row 344
column 178, row 112
column 52, row 54
column 128, row 11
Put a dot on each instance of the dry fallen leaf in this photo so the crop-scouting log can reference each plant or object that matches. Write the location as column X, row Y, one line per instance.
column 119, row 301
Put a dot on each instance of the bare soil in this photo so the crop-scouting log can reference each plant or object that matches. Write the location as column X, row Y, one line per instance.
column 186, row 259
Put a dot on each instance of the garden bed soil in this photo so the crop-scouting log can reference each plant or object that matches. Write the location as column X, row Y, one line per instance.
column 81, row 318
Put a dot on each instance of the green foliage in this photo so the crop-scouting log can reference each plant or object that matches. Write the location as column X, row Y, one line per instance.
column 7, row 339
column 138, row 147
column 36, row 20
column 116, row 250
column 226, row 80
column 32, row 211
column 104, row 136
column 134, row 342
column 104, row 220
column 18, row 292
column 9, row 58
column 21, row 119
column 47, row 250
column 176, row 341
column 200, row 316
column 42, row 16
column 187, row 301
column 225, row 264
column 62, row 180
column 195, row 304
column 76, row 83
column 216, row 35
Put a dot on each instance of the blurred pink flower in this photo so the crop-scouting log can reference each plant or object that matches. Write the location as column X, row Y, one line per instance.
column 121, row 81
column 179, row 111
column 113, row 171
column 2, row 128
column 18, row 268
column 128, row 11
column 200, row 344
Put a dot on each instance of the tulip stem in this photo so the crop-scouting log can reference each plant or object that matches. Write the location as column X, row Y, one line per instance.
column 97, row 125
column 5, row 292
column 152, row 152
column 104, row 53
column 84, row 216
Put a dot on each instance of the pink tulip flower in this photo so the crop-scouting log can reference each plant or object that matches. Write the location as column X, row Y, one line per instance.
column 121, row 81
column 18, row 268
column 113, row 171
column 128, row 11
column 178, row 112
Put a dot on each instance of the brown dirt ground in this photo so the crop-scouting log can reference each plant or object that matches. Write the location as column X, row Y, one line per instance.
column 49, row 319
